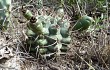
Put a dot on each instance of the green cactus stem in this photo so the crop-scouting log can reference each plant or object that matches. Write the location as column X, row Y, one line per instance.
column 66, row 40
column 64, row 32
column 54, row 32
column 53, row 29
column 35, row 26
column 60, row 23
column 83, row 23
column 51, row 48
column 53, row 38
column 45, row 31
column 52, row 20
column 50, row 40
column 43, row 50
column 5, row 6
column 63, row 23
column 30, row 33
column 27, row 13
column 42, row 42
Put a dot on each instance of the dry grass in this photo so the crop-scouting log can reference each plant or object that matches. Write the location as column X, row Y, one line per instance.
column 87, row 51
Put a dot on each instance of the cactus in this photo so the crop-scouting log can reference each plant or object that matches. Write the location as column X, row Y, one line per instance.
column 30, row 33
column 27, row 14
column 66, row 40
column 53, row 29
column 83, row 23
column 35, row 26
column 45, row 31
column 43, row 50
column 64, row 32
column 50, row 32
column 42, row 42
column 5, row 5
column 51, row 48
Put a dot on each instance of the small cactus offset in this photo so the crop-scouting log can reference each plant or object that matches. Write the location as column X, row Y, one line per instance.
column 83, row 23
column 48, row 32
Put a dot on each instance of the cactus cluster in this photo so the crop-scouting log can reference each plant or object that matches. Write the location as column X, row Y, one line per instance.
column 50, row 33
